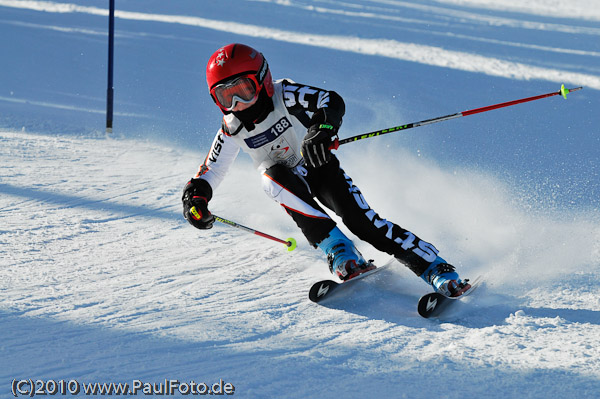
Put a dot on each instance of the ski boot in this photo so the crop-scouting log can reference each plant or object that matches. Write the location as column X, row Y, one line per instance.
column 444, row 279
column 342, row 256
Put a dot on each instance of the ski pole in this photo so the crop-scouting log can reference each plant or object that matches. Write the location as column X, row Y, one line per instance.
column 563, row 91
column 290, row 242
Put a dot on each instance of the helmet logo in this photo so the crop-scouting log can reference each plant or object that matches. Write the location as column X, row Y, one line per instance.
column 262, row 71
column 221, row 58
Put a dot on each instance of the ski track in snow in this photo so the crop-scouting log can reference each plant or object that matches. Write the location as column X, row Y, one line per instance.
column 580, row 9
column 102, row 280
column 428, row 55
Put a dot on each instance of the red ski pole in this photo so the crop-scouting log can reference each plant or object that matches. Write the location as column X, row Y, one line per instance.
column 563, row 91
column 290, row 243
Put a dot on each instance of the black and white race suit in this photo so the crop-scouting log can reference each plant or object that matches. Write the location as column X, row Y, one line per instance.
column 274, row 146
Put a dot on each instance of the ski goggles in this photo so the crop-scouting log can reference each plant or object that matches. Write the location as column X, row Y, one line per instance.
column 242, row 89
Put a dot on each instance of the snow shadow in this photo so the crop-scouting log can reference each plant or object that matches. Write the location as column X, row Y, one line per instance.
column 75, row 201
column 45, row 348
column 41, row 347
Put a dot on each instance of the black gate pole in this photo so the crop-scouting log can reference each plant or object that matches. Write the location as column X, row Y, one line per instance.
column 110, row 90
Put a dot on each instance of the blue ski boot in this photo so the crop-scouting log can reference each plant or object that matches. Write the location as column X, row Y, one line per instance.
column 344, row 259
column 444, row 279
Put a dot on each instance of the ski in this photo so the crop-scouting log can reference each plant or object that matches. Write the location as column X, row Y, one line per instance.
column 434, row 304
column 323, row 289
column 429, row 305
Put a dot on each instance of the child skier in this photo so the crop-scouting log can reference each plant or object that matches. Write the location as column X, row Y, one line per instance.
column 287, row 129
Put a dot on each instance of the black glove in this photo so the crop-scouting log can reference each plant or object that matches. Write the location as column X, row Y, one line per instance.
column 316, row 144
column 196, row 195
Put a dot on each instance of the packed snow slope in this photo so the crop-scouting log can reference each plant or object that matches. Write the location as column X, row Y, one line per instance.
column 102, row 280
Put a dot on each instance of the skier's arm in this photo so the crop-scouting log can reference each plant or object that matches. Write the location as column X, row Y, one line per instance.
column 199, row 190
column 312, row 105
column 321, row 112
column 219, row 159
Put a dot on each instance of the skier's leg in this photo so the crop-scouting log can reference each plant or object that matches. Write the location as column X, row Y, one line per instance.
column 289, row 188
column 291, row 191
column 336, row 190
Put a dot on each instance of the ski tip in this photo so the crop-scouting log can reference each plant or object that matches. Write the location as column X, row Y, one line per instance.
column 432, row 304
column 321, row 289
column 291, row 244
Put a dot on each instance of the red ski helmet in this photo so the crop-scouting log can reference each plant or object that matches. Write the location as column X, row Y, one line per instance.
column 237, row 73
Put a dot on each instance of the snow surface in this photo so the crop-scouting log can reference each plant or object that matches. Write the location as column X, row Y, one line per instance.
column 101, row 279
